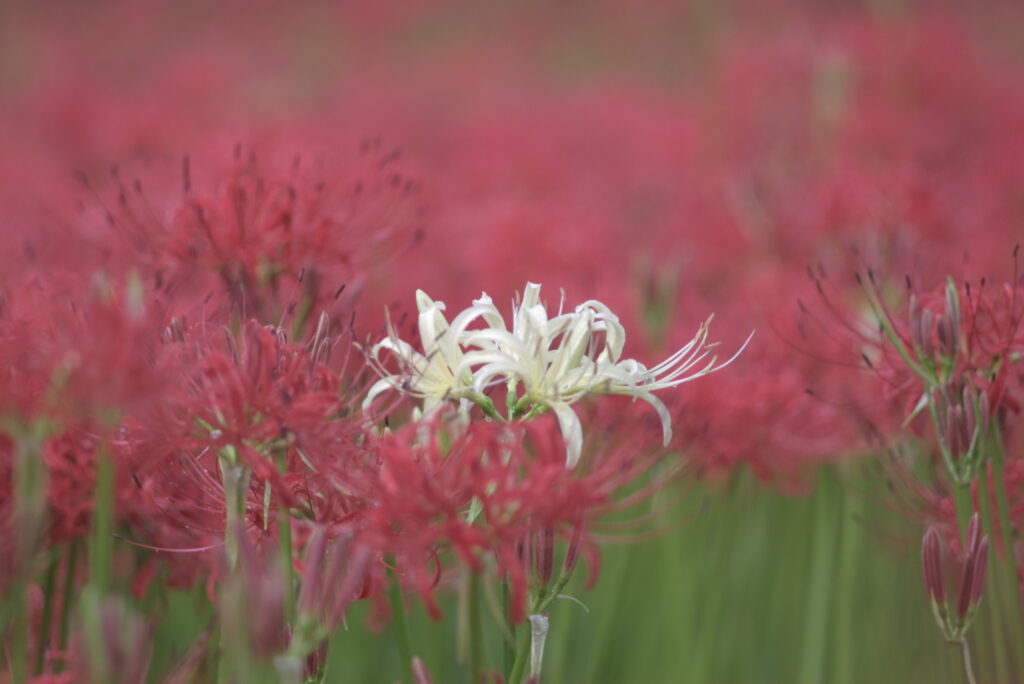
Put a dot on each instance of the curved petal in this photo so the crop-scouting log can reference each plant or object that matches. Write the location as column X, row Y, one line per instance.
column 482, row 378
column 495, row 319
column 666, row 419
column 382, row 385
column 433, row 326
column 572, row 431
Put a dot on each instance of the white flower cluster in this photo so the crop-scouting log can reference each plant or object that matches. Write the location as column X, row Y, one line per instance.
column 545, row 363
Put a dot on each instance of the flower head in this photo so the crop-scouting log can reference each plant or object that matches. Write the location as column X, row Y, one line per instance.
column 441, row 371
column 543, row 362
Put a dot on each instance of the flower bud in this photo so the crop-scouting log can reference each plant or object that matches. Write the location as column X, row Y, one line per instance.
column 914, row 320
column 932, row 564
column 969, row 567
column 970, row 405
column 927, row 323
column 975, row 563
column 312, row 584
column 113, row 644
column 944, row 335
column 983, row 412
column 572, row 553
column 979, row 572
column 545, row 554
column 953, row 314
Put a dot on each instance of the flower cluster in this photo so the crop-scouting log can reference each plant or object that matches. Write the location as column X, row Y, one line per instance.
column 177, row 398
column 542, row 362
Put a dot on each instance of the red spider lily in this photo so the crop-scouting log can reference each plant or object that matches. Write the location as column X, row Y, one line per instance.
column 499, row 490
column 272, row 239
column 79, row 353
column 254, row 400
column 260, row 388
column 268, row 400
column 952, row 340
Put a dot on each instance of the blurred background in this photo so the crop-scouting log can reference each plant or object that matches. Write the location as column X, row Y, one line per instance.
column 671, row 159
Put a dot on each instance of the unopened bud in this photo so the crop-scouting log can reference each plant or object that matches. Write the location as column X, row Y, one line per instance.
column 942, row 334
column 983, row 412
column 347, row 572
column 972, row 536
column 545, row 553
column 970, row 404
column 524, row 551
column 979, row 572
column 112, row 645
column 973, row 581
column 953, row 436
column 264, row 607
column 970, row 567
column 572, row 553
column 931, row 561
column 914, row 320
column 253, row 603
column 953, row 312
column 312, row 584
column 927, row 323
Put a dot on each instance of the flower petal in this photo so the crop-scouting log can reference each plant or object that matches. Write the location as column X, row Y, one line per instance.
column 572, row 431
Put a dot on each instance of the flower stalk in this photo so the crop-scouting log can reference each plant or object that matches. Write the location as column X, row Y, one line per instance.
column 401, row 627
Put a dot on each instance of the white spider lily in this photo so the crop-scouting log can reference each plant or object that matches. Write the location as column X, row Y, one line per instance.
column 546, row 363
column 439, row 373
column 554, row 362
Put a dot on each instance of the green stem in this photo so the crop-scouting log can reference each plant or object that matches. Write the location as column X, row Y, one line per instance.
column 968, row 668
column 284, row 534
column 67, row 593
column 552, row 592
column 508, row 650
column 220, row 656
column 475, row 630
column 101, row 550
column 522, row 653
column 236, row 485
column 1010, row 583
column 1005, row 525
column 997, row 641
column 19, row 640
column 401, row 628
column 29, row 492
column 964, row 509
column 539, row 605
column 43, row 636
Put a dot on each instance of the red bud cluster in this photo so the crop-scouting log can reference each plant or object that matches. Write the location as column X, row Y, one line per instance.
column 964, row 573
